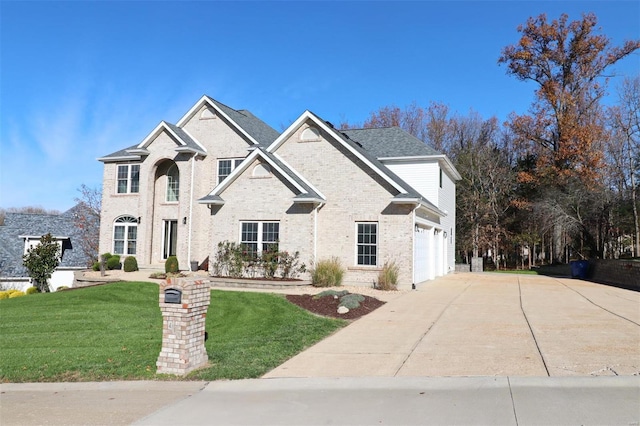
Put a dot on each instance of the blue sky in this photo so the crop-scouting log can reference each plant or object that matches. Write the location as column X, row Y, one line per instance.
column 79, row 80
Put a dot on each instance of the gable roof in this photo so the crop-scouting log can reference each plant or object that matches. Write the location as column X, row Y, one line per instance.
column 257, row 131
column 406, row 194
column 135, row 153
column 307, row 193
column 17, row 226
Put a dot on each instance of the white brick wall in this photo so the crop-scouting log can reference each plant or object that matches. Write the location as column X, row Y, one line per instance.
column 219, row 141
column 354, row 194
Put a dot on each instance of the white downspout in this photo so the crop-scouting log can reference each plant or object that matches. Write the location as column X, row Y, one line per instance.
column 315, row 233
column 193, row 167
column 413, row 248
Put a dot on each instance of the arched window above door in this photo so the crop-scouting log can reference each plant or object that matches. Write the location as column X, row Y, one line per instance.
column 173, row 183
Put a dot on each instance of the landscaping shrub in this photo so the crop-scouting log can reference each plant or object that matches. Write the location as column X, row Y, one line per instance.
column 327, row 273
column 114, row 262
column 4, row 295
column 62, row 287
column 233, row 260
column 96, row 266
column 16, row 294
column 290, row 266
column 171, row 265
column 269, row 261
column 351, row 301
column 130, row 264
column 332, row 293
column 228, row 261
column 32, row 290
column 388, row 277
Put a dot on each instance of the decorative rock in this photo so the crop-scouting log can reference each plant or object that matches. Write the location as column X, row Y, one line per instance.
column 342, row 310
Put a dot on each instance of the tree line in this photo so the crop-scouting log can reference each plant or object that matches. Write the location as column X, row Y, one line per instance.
column 558, row 182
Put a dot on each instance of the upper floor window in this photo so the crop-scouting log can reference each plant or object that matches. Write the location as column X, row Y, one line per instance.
column 128, row 178
column 173, row 183
column 367, row 243
column 125, row 235
column 225, row 167
column 256, row 237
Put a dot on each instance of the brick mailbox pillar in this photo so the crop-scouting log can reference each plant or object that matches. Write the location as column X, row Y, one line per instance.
column 184, row 303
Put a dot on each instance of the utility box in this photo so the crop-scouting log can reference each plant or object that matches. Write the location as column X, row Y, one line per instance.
column 184, row 303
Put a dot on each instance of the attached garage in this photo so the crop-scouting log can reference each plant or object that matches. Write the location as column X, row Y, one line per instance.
column 429, row 253
column 421, row 254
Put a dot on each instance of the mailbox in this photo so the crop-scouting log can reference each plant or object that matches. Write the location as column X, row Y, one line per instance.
column 172, row 295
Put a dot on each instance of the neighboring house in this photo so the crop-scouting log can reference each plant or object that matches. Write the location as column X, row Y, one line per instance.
column 366, row 196
column 22, row 231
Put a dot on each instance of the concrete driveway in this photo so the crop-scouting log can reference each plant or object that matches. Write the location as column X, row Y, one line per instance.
column 486, row 325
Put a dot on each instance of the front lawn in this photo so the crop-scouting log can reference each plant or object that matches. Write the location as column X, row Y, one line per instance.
column 114, row 332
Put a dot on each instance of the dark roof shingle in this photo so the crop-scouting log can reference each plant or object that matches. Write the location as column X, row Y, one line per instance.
column 390, row 142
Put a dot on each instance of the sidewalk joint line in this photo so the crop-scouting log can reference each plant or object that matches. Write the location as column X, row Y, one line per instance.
column 513, row 403
column 544, row 363
column 595, row 304
column 428, row 330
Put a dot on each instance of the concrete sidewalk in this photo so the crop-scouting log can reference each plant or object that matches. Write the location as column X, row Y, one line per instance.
column 486, row 325
column 342, row 401
column 410, row 401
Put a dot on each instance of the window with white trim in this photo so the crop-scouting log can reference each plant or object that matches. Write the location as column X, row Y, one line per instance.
column 256, row 237
column 367, row 243
column 173, row 183
column 225, row 167
column 128, row 179
column 125, row 235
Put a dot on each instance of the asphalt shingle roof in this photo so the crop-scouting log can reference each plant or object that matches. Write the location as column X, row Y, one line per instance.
column 27, row 224
column 184, row 136
column 390, row 142
column 258, row 129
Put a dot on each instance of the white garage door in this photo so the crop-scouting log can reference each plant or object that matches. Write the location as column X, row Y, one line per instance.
column 421, row 255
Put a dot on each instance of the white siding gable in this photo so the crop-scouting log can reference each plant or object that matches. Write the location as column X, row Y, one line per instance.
column 423, row 176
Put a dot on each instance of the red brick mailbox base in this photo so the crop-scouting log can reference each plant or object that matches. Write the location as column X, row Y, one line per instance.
column 184, row 303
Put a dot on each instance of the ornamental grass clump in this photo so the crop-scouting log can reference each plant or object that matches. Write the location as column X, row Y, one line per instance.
column 327, row 273
column 32, row 290
column 388, row 276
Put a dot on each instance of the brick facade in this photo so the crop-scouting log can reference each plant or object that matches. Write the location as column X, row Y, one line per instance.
column 351, row 187
column 183, row 326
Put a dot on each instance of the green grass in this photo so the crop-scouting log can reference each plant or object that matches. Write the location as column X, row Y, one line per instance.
column 114, row 332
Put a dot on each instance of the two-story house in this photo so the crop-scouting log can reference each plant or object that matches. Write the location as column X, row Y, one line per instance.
column 365, row 196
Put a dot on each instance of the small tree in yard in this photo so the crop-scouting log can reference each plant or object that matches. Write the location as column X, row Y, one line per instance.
column 41, row 261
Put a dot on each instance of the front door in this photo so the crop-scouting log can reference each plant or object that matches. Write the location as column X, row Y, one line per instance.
column 170, row 238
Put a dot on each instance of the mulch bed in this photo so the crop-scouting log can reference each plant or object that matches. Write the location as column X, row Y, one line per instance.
column 328, row 306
